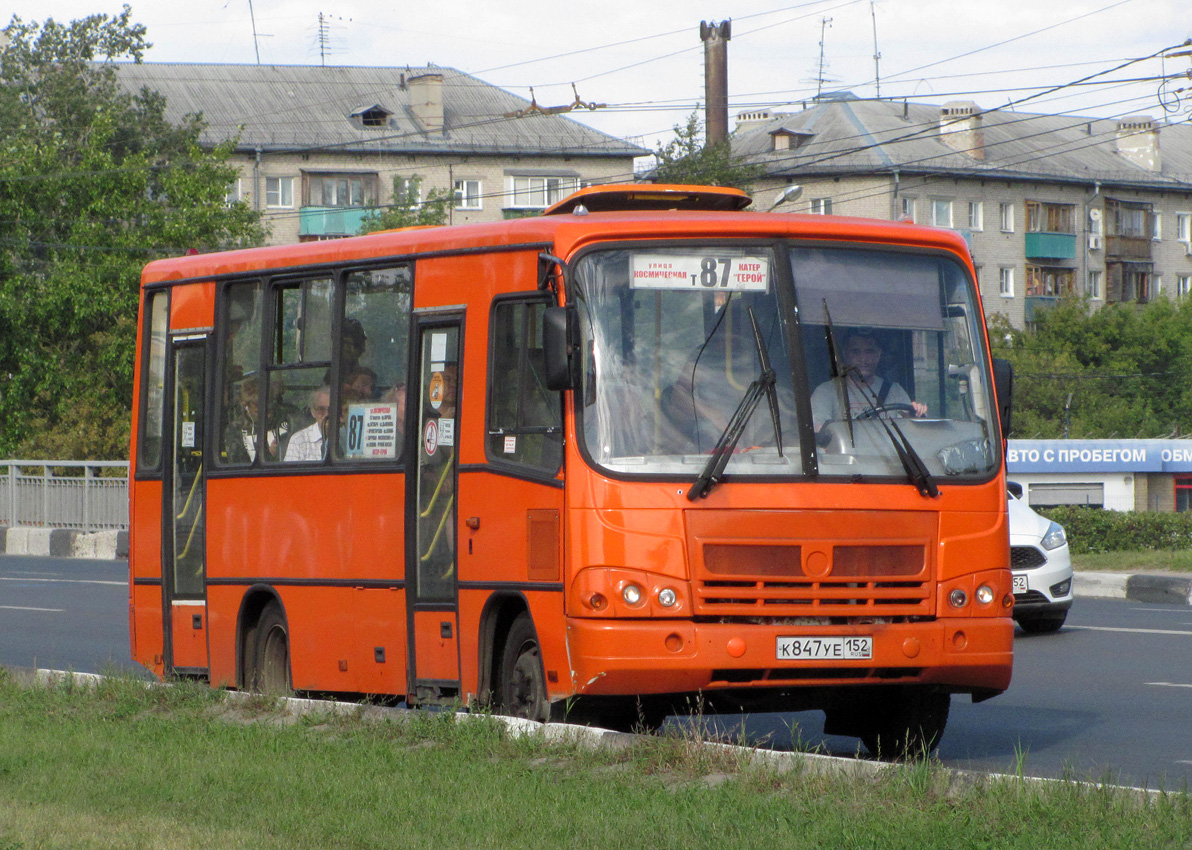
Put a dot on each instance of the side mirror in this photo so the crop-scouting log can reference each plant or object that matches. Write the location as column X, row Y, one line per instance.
column 560, row 333
column 1003, row 386
column 1015, row 489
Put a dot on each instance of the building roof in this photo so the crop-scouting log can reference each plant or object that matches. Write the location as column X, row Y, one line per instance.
column 845, row 135
column 299, row 108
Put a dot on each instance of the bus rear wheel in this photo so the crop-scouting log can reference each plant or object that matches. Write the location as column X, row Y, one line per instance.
column 521, row 685
column 270, row 656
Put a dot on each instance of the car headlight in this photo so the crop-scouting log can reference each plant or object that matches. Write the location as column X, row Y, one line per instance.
column 1055, row 537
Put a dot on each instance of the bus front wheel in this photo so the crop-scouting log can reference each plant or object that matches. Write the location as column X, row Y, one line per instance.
column 270, row 659
column 521, row 688
column 908, row 724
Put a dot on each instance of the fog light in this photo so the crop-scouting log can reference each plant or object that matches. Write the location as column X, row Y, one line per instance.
column 667, row 597
column 958, row 598
column 632, row 594
column 1063, row 588
column 984, row 594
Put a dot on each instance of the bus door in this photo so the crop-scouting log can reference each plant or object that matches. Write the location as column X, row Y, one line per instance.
column 431, row 579
column 184, row 573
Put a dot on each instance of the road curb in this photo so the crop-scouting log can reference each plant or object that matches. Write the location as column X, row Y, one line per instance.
column 1136, row 587
column 64, row 543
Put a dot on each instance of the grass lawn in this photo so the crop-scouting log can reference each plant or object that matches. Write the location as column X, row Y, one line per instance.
column 124, row 766
column 1178, row 560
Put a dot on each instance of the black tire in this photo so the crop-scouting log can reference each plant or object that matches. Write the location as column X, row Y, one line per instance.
column 906, row 723
column 269, row 671
column 521, row 682
column 1042, row 625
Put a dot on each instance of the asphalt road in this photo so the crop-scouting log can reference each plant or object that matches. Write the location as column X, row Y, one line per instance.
column 1108, row 698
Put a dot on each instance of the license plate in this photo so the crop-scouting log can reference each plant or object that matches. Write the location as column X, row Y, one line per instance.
column 825, row 648
column 1020, row 585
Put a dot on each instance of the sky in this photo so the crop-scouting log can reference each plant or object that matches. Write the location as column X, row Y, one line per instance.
column 642, row 60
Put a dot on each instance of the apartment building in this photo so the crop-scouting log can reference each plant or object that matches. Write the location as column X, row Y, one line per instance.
column 319, row 148
column 1050, row 204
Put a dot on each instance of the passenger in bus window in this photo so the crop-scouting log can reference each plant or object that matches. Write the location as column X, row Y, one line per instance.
column 862, row 354
column 310, row 442
column 352, row 343
column 360, row 384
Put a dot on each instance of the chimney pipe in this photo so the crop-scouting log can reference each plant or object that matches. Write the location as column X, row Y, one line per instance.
column 715, row 38
column 426, row 101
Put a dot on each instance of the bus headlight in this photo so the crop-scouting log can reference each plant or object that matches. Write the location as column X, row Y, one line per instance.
column 958, row 598
column 984, row 594
column 632, row 594
column 667, row 597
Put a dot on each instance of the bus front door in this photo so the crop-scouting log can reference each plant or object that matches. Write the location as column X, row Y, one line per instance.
column 184, row 574
column 431, row 516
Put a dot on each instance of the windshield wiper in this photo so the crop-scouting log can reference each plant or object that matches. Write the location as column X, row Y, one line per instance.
column 916, row 469
column 764, row 384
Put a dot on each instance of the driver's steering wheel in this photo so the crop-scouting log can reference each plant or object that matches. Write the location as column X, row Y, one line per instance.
column 893, row 407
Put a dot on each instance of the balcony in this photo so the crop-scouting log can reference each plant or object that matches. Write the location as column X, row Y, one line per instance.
column 1051, row 246
column 1035, row 304
column 331, row 221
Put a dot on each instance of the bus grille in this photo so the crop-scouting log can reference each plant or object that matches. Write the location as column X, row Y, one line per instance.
column 769, row 580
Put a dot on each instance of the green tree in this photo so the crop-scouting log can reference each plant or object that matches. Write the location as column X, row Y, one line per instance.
column 1121, row 371
column 94, row 182
column 686, row 159
column 409, row 209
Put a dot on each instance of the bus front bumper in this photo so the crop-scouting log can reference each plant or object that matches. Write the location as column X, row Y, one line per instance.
column 618, row 657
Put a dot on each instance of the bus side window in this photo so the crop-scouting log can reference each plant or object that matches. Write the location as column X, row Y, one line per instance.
column 296, row 398
column 373, row 363
column 524, row 417
column 239, row 396
column 157, row 312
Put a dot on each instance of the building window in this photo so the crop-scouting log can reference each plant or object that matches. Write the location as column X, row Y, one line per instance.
column 1157, row 285
column 407, row 192
column 1183, row 285
column 821, row 206
column 906, row 209
column 540, row 192
column 1092, row 285
column 279, row 191
column 1183, row 227
column 1044, row 280
column 1183, row 493
column 233, row 196
column 1007, row 217
column 941, row 213
column 467, row 195
column 1156, row 227
column 1006, row 282
column 341, row 190
column 976, row 216
column 1050, row 218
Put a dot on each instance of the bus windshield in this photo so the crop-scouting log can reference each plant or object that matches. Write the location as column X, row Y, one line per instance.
column 889, row 360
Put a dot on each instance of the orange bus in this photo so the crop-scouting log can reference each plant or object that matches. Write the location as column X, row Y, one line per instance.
column 643, row 449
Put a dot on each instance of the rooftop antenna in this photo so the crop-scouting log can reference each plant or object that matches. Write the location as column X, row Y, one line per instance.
column 256, row 46
column 324, row 35
column 819, row 79
column 877, row 54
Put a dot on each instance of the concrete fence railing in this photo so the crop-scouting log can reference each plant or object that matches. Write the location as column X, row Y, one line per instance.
column 84, row 496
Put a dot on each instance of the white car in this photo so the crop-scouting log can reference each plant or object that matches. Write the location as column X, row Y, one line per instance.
column 1041, row 566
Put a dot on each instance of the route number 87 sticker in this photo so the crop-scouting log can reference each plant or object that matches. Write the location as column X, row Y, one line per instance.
column 700, row 272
